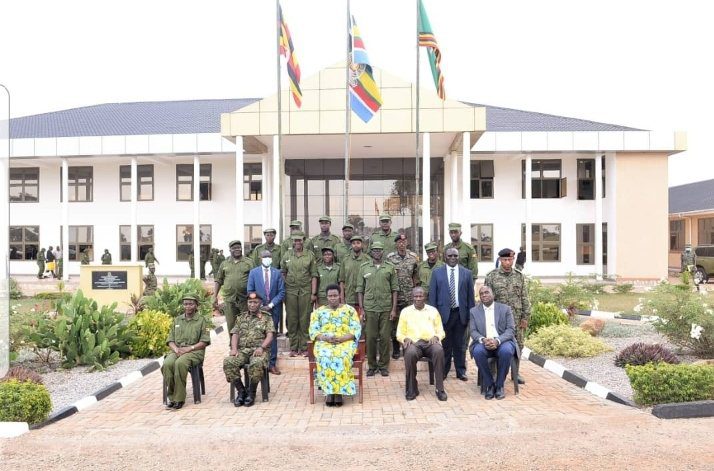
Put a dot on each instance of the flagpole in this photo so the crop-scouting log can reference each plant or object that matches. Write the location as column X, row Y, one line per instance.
column 347, row 118
column 281, row 162
column 417, row 247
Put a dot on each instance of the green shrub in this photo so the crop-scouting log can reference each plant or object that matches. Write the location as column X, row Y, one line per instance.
column 683, row 316
column 24, row 401
column 544, row 315
column 537, row 293
column 168, row 298
column 87, row 335
column 594, row 288
column 150, row 330
column 642, row 353
column 15, row 291
column 52, row 295
column 571, row 294
column 658, row 383
column 624, row 288
column 565, row 341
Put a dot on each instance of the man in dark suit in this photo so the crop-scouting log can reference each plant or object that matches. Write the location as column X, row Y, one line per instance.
column 493, row 332
column 451, row 292
column 268, row 283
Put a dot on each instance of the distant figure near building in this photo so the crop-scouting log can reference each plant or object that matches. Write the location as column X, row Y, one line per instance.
column 688, row 259
column 41, row 264
column 150, row 258
column 520, row 259
column 106, row 257
column 150, row 281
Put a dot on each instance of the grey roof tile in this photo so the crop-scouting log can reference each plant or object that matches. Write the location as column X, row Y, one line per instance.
column 697, row 196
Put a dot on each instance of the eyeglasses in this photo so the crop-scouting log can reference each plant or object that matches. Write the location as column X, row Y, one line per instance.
column 452, row 255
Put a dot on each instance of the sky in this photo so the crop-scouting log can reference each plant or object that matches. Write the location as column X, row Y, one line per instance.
column 644, row 64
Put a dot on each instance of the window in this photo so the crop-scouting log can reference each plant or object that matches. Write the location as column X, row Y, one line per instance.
column 24, row 242
column 545, row 240
column 81, row 238
column 184, row 240
column 25, row 185
column 81, row 184
column 706, row 231
column 546, row 181
column 145, row 185
column 482, row 179
column 253, row 237
column 482, row 241
column 676, row 235
column 586, row 179
column 252, row 182
column 585, row 244
column 184, row 182
column 603, row 176
column 145, row 236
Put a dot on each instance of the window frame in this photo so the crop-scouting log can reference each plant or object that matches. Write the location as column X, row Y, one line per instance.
column 23, row 178
column 77, row 244
column 140, row 242
column 251, row 233
column 479, row 245
column 139, row 184
column 479, row 181
column 205, row 172
column 678, row 234
column 73, row 185
column 23, row 243
column 252, row 175
column 702, row 228
column 582, row 180
column 205, row 246
column 537, row 183
column 537, row 245
column 580, row 244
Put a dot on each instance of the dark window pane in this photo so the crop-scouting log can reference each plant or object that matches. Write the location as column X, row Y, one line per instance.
column 487, row 189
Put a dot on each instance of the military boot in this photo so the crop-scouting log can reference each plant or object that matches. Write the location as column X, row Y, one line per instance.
column 250, row 399
column 240, row 393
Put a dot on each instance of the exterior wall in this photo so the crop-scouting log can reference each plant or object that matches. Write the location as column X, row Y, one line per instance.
column 642, row 225
column 691, row 233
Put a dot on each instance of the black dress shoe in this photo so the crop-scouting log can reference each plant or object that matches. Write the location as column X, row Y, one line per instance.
column 521, row 380
column 463, row 377
column 500, row 393
column 395, row 356
column 490, row 392
column 330, row 400
column 441, row 395
column 338, row 400
column 371, row 372
column 240, row 399
column 411, row 397
column 178, row 405
column 170, row 405
column 384, row 372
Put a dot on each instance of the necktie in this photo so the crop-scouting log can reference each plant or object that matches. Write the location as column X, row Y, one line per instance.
column 267, row 285
column 452, row 289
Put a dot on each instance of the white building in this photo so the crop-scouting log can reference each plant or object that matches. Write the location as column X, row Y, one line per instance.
column 596, row 201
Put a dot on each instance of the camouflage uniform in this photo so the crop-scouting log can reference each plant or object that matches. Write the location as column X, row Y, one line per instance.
column 252, row 331
column 407, row 271
column 687, row 259
column 425, row 272
column 190, row 265
column 151, row 284
column 511, row 288
column 85, row 257
column 41, row 264
column 325, row 277
column 150, row 258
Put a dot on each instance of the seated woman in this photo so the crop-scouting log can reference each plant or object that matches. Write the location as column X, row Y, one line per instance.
column 335, row 329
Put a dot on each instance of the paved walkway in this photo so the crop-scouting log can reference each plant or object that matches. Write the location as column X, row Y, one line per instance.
column 550, row 425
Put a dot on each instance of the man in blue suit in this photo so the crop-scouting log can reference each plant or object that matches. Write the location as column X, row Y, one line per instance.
column 451, row 292
column 493, row 331
column 268, row 283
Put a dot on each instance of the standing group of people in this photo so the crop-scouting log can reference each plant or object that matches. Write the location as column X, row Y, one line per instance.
column 50, row 262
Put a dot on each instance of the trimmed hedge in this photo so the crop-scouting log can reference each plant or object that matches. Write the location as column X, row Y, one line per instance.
column 659, row 383
column 150, row 330
column 24, row 401
column 565, row 341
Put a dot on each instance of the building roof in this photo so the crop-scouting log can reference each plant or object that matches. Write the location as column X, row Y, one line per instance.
column 203, row 116
column 697, row 196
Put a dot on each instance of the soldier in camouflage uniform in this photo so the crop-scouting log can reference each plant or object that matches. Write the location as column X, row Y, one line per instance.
column 324, row 239
column 85, row 257
column 426, row 267
column 275, row 250
column 467, row 255
column 233, row 277
column 350, row 270
column 250, row 344
column 150, row 258
column 212, row 261
column 344, row 248
column 190, row 264
column 406, row 264
column 328, row 273
column 150, row 281
column 41, row 264
column 384, row 235
column 510, row 287
column 688, row 259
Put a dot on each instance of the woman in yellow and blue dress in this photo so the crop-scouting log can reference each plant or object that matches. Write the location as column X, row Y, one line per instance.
column 335, row 328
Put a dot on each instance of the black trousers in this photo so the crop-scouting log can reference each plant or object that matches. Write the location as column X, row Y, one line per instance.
column 454, row 344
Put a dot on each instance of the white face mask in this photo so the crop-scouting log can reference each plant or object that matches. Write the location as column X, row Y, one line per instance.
column 267, row 261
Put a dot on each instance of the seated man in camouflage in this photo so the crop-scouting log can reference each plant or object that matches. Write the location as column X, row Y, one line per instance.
column 250, row 345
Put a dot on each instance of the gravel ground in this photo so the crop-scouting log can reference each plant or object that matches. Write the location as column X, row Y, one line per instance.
column 602, row 370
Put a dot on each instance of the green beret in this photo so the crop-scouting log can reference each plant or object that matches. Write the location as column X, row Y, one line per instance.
column 270, row 229
column 430, row 246
column 325, row 219
column 385, row 217
column 454, row 226
column 189, row 296
column 346, row 225
column 234, row 242
column 356, row 237
column 377, row 245
column 295, row 223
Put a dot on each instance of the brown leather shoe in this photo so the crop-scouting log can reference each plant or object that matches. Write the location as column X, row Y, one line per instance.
column 274, row 370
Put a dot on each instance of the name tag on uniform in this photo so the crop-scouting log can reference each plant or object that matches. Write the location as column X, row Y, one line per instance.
column 367, row 274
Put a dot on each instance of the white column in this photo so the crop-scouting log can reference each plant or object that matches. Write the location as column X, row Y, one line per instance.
column 65, row 221
column 598, row 216
column 239, row 221
column 276, row 196
column 453, row 194
column 196, row 216
column 464, row 215
column 133, row 235
column 426, row 193
column 267, row 190
column 529, row 185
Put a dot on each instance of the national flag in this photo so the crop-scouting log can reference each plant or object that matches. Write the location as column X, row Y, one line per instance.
column 365, row 99
column 287, row 50
column 428, row 40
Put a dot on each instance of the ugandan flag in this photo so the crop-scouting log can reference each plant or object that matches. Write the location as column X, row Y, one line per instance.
column 365, row 99
column 427, row 40
column 287, row 50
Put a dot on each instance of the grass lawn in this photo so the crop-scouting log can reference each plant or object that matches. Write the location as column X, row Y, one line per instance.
column 625, row 302
column 25, row 304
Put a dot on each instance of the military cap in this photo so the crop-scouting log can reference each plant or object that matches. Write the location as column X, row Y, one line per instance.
column 326, row 249
column 346, row 225
column 189, row 296
column 454, row 226
column 254, row 295
column 430, row 246
column 270, row 229
column 234, row 242
column 356, row 237
column 385, row 217
column 400, row 236
column 325, row 219
column 506, row 253
column 377, row 245
column 295, row 223
column 298, row 236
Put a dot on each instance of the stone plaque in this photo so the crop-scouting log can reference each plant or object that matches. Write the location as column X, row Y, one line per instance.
column 109, row 280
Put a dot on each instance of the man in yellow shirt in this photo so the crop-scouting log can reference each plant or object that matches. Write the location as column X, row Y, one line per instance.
column 420, row 332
